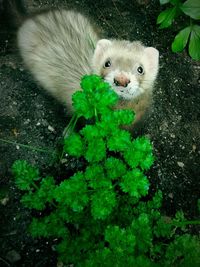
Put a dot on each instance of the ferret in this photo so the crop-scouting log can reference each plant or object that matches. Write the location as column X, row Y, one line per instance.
column 60, row 46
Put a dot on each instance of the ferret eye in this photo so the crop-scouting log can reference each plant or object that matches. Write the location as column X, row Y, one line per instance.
column 140, row 70
column 107, row 64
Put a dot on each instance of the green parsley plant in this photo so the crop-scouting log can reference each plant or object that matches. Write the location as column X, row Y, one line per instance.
column 99, row 215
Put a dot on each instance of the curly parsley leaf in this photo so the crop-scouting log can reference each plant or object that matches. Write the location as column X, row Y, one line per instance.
column 102, row 203
column 135, row 183
column 73, row 192
column 74, row 145
column 25, row 174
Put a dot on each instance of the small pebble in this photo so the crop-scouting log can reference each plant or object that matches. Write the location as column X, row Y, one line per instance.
column 4, row 201
column 51, row 129
column 170, row 195
column 180, row 164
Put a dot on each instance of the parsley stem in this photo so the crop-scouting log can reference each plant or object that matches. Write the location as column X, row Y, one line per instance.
column 96, row 115
column 70, row 128
column 28, row 146
column 74, row 124
column 35, row 186
column 194, row 222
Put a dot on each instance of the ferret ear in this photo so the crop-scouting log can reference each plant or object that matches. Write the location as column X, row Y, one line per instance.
column 152, row 55
column 101, row 46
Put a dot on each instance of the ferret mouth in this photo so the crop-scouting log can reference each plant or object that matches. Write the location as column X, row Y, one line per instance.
column 125, row 96
column 125, row 93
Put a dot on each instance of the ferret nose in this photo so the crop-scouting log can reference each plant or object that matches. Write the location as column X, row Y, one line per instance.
column 121, row 80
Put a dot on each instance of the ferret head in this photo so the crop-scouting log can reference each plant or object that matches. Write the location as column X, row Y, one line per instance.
column 130, row 68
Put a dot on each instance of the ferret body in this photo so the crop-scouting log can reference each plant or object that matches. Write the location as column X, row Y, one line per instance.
column 61, row 46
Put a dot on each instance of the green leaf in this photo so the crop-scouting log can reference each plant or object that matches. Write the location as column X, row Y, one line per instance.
column 166, row 17
column 82, row 105
column 151, row 207
column 107, row 124
column 25, row 174
column 115, row 168
column 91, row 132
column 31, row 201
column 181, row 39
column 104, row 98
column 73, row 192
column 102, row 203
column 194, row 44
column 143, row 144
column 123, row 117
column 156, row 202
column 139, row 152
column 102, row 257
column 96, row 150
column 48, row 226
column 179, row 217
column 183, row 251
column 74, row 145
column 141, row 228
column 46, row 189
column 120, row 240
column 119, row 141
column 135, row 183
column 38, row 228
column 163, row 228
column 147, row 162
column 94, row 171
column 191, row 8
column 96, row 98
column 41, row 196
column 90, row 82
column 96, row 178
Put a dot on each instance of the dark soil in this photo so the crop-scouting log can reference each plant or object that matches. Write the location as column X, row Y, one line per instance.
column 29, row 116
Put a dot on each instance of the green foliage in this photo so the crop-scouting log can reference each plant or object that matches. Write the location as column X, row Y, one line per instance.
column 72, row 192
column 187, row 35
column 102, row 203
column 184, row 251
column 120, row 240
column 115, row 168
column 98, row 215
column 25, row 174
column 135, row 183
column 74, row 145
column 43, row 195
column 96, row 97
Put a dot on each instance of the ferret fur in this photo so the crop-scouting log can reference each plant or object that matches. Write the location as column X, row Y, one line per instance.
column 60, row 46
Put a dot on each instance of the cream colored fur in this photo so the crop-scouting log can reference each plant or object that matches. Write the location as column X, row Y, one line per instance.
column 59, row 47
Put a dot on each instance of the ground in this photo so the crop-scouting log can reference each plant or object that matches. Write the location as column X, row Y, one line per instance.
column 31, row 117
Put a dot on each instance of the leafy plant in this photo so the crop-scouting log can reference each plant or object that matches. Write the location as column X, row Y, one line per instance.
column 99, row 215
column 187, row 35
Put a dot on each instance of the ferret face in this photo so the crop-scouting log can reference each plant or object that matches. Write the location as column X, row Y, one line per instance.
column 130, row 68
